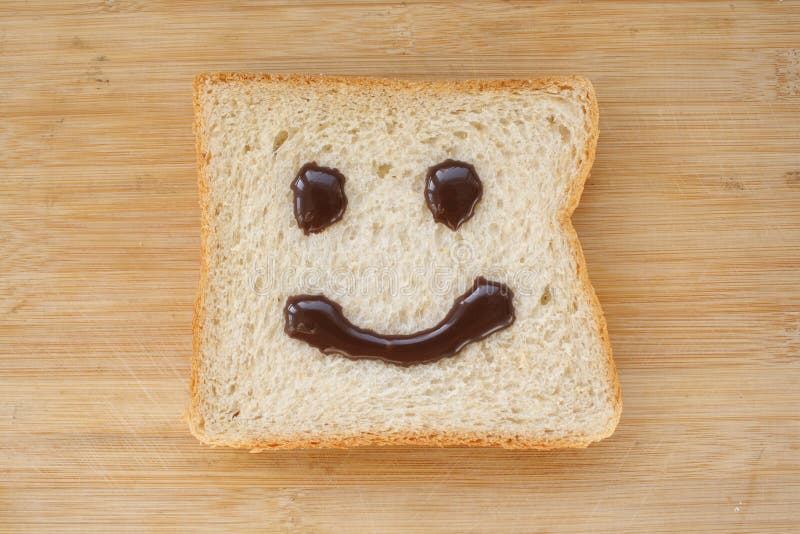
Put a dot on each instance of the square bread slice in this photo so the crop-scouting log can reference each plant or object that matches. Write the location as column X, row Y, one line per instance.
column 546, row 381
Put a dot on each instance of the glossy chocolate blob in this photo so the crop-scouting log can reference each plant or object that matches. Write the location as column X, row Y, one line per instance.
column 319, row 198
column 452, row 190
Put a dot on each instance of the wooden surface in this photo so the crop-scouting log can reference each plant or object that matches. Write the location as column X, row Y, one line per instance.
column 690, row 223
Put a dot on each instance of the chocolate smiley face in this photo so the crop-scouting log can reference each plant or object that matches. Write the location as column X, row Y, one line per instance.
column 393, row 262
column 452, row 191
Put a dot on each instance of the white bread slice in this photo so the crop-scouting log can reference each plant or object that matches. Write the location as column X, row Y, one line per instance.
column 547, row 381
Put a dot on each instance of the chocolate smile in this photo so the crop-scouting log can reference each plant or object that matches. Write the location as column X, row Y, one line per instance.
column 481, row 311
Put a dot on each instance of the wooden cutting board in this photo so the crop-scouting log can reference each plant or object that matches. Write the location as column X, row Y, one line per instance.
column 690, row 223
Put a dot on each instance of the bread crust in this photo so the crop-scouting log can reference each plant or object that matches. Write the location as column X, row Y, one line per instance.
column 436, row 439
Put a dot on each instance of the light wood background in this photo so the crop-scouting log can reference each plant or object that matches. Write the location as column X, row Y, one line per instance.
column 690, row 223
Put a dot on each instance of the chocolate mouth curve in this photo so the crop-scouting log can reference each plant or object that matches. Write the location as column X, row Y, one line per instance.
column 483, row 310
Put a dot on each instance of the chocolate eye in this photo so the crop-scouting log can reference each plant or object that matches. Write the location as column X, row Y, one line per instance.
column 451, row 191
column 319, row 199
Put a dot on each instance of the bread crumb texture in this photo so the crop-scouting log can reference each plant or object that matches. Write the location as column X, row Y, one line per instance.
column 547, row 381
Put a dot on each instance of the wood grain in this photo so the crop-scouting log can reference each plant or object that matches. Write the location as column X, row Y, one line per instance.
column 690, row 223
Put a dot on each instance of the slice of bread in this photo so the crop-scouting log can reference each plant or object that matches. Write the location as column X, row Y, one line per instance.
column 546, row 381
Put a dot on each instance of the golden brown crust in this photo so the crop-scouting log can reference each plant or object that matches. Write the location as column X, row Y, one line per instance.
column 441, row 439
column 557, row 83
column 197, row 326
column 436, row 439
column 576, row 190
